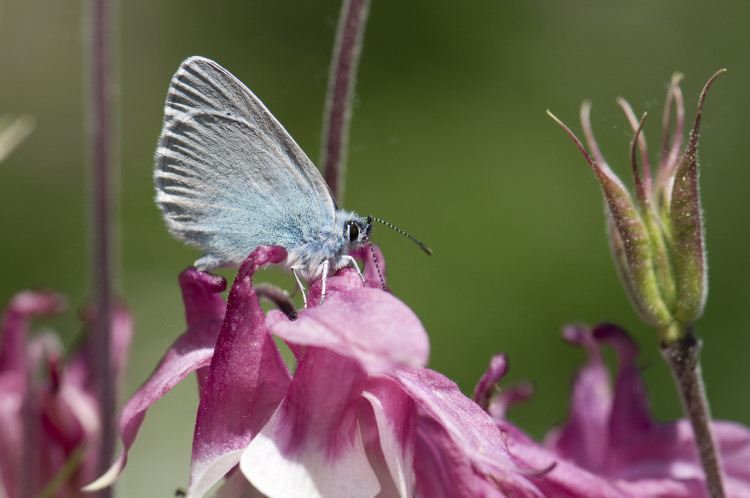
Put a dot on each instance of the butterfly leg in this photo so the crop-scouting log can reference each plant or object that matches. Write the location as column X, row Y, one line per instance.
column 326, row 263
column 353, row 262
column 301, row 287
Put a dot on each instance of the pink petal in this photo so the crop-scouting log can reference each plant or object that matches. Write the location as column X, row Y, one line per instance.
column 236, row 486
column 442, row 470
column 441, row 399
column 640, row 457
column 80, row 370
column 666, row 455
column 458, row 443
column 486, row 386
column 585, row 436
column 68, row 423
column 629, row 412
column 557, row 476
column 368, row 325
column 192, row 350
column 15, row 325
column 246, row 381
column 734, row 445
column 312, row 445
column 201, row 296
column 19, row 466
column 12, row 395
column 372, row 269
column 445, row 469
column 388, row 425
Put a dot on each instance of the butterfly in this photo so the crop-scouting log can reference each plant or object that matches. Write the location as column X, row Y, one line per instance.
column 229, row 178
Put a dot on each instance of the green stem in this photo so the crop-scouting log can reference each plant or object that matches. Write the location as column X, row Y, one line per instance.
column 683, row 358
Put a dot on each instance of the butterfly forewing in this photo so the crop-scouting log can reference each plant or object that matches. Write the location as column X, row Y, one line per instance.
column 228, row 176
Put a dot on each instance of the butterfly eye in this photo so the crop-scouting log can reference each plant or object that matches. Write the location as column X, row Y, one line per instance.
column 352, row 229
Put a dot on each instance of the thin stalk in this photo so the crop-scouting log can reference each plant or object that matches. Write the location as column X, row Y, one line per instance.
column 101, row 141
column 683, row 358
column 278, row 297
column 341, row 79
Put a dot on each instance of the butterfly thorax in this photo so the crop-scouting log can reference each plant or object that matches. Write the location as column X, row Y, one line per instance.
column 333, row 244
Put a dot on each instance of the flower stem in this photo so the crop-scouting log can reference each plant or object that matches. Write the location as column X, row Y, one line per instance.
column 101, row 138
column 278, row 297
column 341, row 79
column 683, row 357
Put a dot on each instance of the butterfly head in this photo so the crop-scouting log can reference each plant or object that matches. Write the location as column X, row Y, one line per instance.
column 357, row 231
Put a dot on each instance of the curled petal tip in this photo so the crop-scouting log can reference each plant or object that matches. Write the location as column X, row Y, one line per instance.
column 41, row 302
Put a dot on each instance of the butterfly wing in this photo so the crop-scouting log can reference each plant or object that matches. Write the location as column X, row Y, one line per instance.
column 228, row 176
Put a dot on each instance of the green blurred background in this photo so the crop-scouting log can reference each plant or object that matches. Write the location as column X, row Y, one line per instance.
column 449, row 141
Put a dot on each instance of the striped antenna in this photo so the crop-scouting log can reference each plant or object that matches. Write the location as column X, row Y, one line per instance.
column 377, row 266
column 424, row 247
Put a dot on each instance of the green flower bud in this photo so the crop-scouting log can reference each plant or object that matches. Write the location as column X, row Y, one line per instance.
column 657, row 236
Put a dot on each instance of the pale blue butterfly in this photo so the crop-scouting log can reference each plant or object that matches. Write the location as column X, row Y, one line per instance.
column 230, row 178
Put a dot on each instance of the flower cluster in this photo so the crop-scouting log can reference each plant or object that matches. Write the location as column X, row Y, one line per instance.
column 610, row 445
column 358, row 414
column 50, row 427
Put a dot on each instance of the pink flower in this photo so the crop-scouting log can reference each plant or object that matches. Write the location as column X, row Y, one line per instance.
column 49, row 415
column 358, row 416
column 610, row 445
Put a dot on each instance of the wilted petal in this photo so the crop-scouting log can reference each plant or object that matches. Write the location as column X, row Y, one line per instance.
column 312, row 446
column 192, row 350
column 246, row 381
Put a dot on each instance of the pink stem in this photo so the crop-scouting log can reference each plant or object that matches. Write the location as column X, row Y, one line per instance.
column 341, row 79
column 101, row 135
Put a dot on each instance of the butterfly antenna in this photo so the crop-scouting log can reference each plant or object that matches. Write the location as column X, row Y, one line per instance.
column 377, row 266
column 409, row 236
